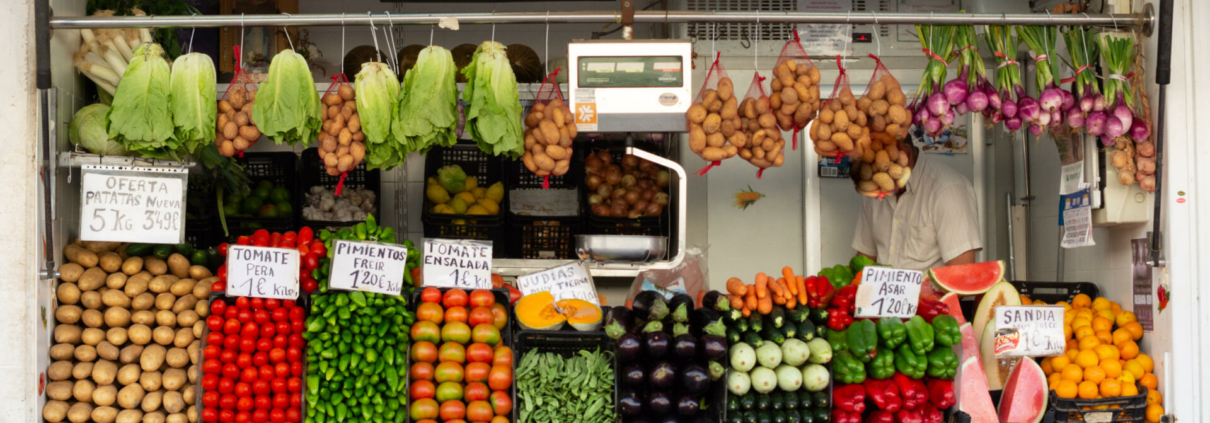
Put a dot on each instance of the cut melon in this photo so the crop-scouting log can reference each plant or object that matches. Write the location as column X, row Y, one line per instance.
column 969, row 347
column 1024, row 397
column 582, row 315
column 968, row 279
column 955, row 308
column 999, row 294
column 997, row 370
column 537, row 312
column 974, row 398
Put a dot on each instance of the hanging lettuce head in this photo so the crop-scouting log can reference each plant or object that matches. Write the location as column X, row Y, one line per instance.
column 493, row 116
column 377, row 94
column 287, row 103
column 192, row 100
column 428, row 116
column 140, row 118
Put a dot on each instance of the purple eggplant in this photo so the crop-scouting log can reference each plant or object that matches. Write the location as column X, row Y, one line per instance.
column 716, row 301
column 712, row 347
column 685, row 346
column 619, row 321
column 629, row 403
column 688, row 405
column 629, row 347
column 658, row 403
column 656, row 345
column 671, row 418
column 717, row 371
column 648, row 305
column 694, row 380
column 703, row 321
column 634, row 376
column 663, row 375
column 680, row 305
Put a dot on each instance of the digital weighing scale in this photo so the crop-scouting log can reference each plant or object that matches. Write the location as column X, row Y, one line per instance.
column 630, row 85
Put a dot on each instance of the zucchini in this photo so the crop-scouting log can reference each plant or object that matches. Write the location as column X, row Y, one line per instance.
column 138, row 250
column 777, row 317
column 789, row 330
column 806, row 331
column 184, row 249
column 819, row 316
column 805, row 400
column 753, row 339
column 821, row 400
column 807, row 416
column 772, row 334
column 799, row 315
column 823, row 415
column 750, row 416
column 821, row 330
column 755, row 323
column 732, row 315
column 735, row 417
column 732, row 404
column 777, row 400
column 779, row 417
column 793, row 417
column 763, row 402
column 747, row 401
column 742, row 325
column 733, row 336
column 162, row 251
column 764, row 416
column 791, row 402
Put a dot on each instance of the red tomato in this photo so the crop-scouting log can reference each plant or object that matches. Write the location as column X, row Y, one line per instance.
column 452, row 410
column 502, row 404
column 231, row 342
column 228, row 401
column 297, row 314
column 456, row 314
column 215, row 338
column 260, row 358
column 305, row 234
column 243, row 240
column 277, row 355
column 260, row 387
column 274, row 239
column 480, row 315
column 295, row 384
column 245, row 404
column 281, row 342
column 426, row 331
column 277, row 415
column 430, row 295
column 423, row 409
column 250, row 330
column 231, row 327
column 244, row 315
column 479, row 412
column 281, row 401
column 283, row 328
column 513, row 294
column 298, row 326
column 210, row 399
column 209, row 382
column 260, row 316
column 247, row 345
column 264, row 344
column 479, row 353
column 476, row 391
column 228, row 355
column 243, row 417
column 293, row 354
column 424, row 351
column 500, row 316
column 311, row 261
column 209, row 415
column 214, row 322
column 296, row 369
column 264, row 402
column 448, row 372
column 430, row 312
column 482, row 298
column 454, row 298
column 417, row 277
column 487, row 334
column 422, row 389
column 278, row 386
column 249, row 374
column 218, row 307
column 230, row 370
column 500, row 378
column 317, row 247
column 272, row 304
column 268, row 331
column 296, row 340
column 288, row 303
column 212, row 367
column 499, row 419
column 230, row 313
column 212, row 351
column 309, row 285
column 280, row 315
column 456, row 332
column 451, row 352
column 502, row 356
column 293, row 415
column 422, row 371
column 267, row 373
column 289, row 236
column 477, row 372
column 497, row 281
column 220, row 286
column 241, row 303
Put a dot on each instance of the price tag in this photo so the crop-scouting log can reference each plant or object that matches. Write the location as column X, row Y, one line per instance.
column 888, row 292
column 132, row 204
column 262, row 272
column 1033, row 331
column 368, row 266
column 563, row 282
column 462, row 264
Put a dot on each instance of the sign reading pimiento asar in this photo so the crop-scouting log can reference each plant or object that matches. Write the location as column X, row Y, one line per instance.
column 262, row 272
column 132, row 204
column 368, row 266
column 457, row 263
column 888, row 292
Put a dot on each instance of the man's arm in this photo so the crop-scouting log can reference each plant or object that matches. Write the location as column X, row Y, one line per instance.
column 964, row 258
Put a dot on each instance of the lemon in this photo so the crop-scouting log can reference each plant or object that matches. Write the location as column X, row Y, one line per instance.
column 466, row 197
column 477, row 210
column 459, row 205
column 432, row 181
column 491, row 206
column 443, row 209
column 479, row 193
column 496, row 192
column 437, row 194
column 471, row 183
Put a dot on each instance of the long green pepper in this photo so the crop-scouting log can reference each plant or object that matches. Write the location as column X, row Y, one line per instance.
column 579, row 388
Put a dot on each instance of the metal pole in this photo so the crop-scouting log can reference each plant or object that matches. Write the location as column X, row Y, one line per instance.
column 1142, row 21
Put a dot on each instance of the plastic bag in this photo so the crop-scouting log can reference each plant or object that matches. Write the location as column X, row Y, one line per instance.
column 235, row 131
column 341, row 142
column 689, row 278
column 837, row 130
column 714, row 113
column 549, row 131
column 881, row 164
column 794, row 90
column 761, row 143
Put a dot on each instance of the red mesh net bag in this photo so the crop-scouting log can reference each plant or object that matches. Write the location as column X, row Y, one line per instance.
column 341, row 142
column 794, row 90
column 762, row 144
column 235, row 131
column 549, row 130
column 714, row 117
column 880, row 157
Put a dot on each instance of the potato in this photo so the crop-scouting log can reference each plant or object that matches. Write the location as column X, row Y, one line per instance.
column 183, row 338
column 131, row 396
column 194, row 348
column 200, row 325
column 92, row 279
column 151, row 381
column 59, row 370
column 110, row 262
column 68, row 314
column 177, row 418
column 70, row 272
column 198, row 272
column 182, row 287
column 115, row 280
column 178, row 357
column 152, row 357
column 62, row 351
column 117, row 317
column 80, row 255
column 202, row 288
column 59, row 390
column 116, row 336
column 68, row 334
column 144, row 301
column 184, row 303
column 92, row 336
column 192, row 372
column 187, row 318
column 154, row 417
column 91, row 300
column 68, row 293
column 82, row 370
column 103, row 372
column 202, row 308
column 92, row 318
column 104, row 414
column 130, row 354
column 155, row 266
column 189, row 393
column 164, row 301
column 129, row 374
column 82, row 390
column 54, row 411
column 143, row 317
column 178, row 265
column 162, row 283
column 137, row 284
column 139, row 334
column 85, row 353
column 165, row 318
column 173, row 402
column 107, row 351
column 132, row 265
column 80, row 412
column 163, row 335
column 152, row 401
column 130, row 416
column 105, row 395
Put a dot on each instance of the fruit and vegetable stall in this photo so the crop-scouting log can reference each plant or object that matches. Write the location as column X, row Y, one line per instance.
column 288, row 295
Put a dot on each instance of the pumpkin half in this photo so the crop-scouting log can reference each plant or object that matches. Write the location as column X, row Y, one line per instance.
column 583, row 315
column 539, row 311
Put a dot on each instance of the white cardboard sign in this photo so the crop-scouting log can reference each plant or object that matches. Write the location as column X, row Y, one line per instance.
column 563, row 282
column 1033, row 331
column 462, row 264
column 262, row 272
column 888, row 292
column 368, row 266
column 132, row 204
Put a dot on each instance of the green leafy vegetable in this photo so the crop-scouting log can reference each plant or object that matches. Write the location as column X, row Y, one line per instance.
column 192, row 100
column 88, row 131
column 452, row 178
column 140, row 118
column 429, row 115
column 377, row 95
column 493, row 117
column 287, row 103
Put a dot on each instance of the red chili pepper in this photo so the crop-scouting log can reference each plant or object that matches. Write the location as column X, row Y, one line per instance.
column 819, row 291
column 928, row 309
column 884, row 393
column 845, row 298
column 880, row 417
column 931, row 415
column 841, row 416
column 839, row 319
column 849, row 398
column 909, row 416
column 941, row 393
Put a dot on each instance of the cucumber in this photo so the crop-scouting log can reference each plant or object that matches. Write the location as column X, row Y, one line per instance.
column 753, row 339
column 778, row 316
column 799, row 315
column 763, row 402
column 162, row 251
column 733, row 336
column 775, row 335
column 806, row 331
column 199, row 258
column 755, row 323
column 138, row 249
column 777, row 400
column 805, row 400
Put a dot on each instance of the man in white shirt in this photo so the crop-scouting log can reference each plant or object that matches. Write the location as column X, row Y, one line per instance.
column 933, row 221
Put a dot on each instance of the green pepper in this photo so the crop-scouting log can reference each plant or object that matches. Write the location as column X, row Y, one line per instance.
column 843, row 275
column 945, row 330
column 920, row 335
column 892, row 332
column 943, row 363
column 862, row 337
column 883, row 365
column 910, row 364
column 847, row 369
column 838, row 340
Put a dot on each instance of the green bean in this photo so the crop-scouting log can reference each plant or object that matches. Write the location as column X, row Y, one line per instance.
column 553, row 388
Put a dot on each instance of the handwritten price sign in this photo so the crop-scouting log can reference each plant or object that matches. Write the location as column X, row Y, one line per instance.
column 457, row 263
column 888, row 292
column 262, row 272
column 368, row 266
column 563, row 282
column 132, row 204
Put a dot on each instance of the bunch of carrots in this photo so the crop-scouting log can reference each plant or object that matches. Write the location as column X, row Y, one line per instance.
column 789, row 290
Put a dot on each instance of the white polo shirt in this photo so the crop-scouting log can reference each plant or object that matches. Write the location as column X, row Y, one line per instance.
column 935, row 220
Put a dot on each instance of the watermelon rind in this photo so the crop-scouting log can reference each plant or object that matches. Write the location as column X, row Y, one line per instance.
column 996, row 369
column 1021, row 403
column 974, row 398
column 999, row 294
column 968, row 279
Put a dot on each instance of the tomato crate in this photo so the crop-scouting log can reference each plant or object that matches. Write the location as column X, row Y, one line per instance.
column 565, row 343
column 314, row 175
column 1132, row 409
column 487, row 170
column 280, row 169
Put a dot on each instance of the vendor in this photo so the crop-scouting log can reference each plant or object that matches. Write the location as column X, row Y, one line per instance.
column 933, row 221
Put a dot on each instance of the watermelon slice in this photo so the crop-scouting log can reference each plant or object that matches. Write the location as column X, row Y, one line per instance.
column 996, row 369
column 999, row 294
column 1024, row 397
column 969, row 347
column 951, row 300
column 968, row 279
column 973, row 396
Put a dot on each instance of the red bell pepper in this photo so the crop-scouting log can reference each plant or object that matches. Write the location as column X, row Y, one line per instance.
column 909, row 416
column 912, row 391
column 841, row 416
column 839, row 319
column 845, row 299
column 884, row 393
column 928, row 309
column 849, row 398
column 941, row 393
column 819, row 291
column 931, row 415
column 880, row 417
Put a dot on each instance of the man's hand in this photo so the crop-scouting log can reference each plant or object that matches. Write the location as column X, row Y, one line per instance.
column 964, row 258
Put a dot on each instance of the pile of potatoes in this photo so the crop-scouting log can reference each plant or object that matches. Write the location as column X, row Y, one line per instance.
column 715, row 127
column 549, row 130
column 868, row 129
column 765, row 145
column 795, row 93
column 126, row 338
column 341, row 142
column 235, row 131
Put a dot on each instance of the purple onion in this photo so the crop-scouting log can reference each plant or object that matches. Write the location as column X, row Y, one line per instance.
column 1086, row 104
column 948, row 118
column 997, row 118
column 1096, row 123
column 976, row 101
column 1106, row 141
column 1114, row 127
column 921, row 115
column 1098, row 103
column 1050, row 100
column 932, row 125
column 994, row 100
column 955, row 91
column 1056, row 118
column 1035, row 129
column 1013, row 123
column 936, row 104
column 1044, row 118
column 1009, row 108
column 1075, row 119
column 1029, row 109
column 961, row 108
column 1068, row 98
column 1124, row 115
column 1139, row 131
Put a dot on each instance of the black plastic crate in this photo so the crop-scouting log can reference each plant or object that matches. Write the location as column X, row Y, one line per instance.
column 646, row 225
column 1053, row 292
column 487, row 170
column 1131, row 409
column 543, row 237
column 566, row 344
column 280, row 168
column 314, row 174
column 203, row 232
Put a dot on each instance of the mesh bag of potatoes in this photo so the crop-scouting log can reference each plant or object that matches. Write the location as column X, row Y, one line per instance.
column 881, row 162
column 762, row 143
column 714, row 119
column 126, row 338
column 794, row 90
column 235, row 131
column 341, row 142
column 550, row 129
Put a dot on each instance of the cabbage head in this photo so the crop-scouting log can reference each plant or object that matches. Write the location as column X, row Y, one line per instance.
column 429, row 115
column 140, row 118
column 287, row 104
column 192, row 100
column 377, row 95
column 88, row 130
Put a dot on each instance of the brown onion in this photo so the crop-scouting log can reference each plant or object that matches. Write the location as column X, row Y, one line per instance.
column 618, row 210
column 605, row 157
column 646, row 166
column 592, row 163
column 662, row 178
column 613, row 176
column 594, row 199
column 634, row 214
column 629, row 181
column 661, row 199
column 618, row 194
column 653, row 209
column 593, row 181
column 646, row 183
column 641, row 205
column 604, row 190
column 600, row 210
column 630, row 161
column 648, row 194
column 632, row 196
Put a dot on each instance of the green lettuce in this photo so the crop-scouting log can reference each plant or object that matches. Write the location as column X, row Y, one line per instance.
column 377, row 95
column 428, row 116
column 287, row 104
column 140, row 118
column 192, row 100
column 493, row 116
column 88, row 130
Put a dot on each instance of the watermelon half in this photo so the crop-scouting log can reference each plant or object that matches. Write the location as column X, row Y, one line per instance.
column 974, row 398
column 968, row 279
column 1024, row 397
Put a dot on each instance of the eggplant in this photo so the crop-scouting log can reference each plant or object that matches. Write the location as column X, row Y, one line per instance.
column 672, row 418
column 694, row 380
column 680, row 306
column 648, row 305
column 629, row 404
column 716, row 301
column 657, row 345
column 629, row 347
column 717, row 371
column 705, row 321
column 653, row 326
column 658, row 403
column 618, row 322
column 688, row 405
column 634, row 376
column 663, row 375
column 713, row 347
column 685, row 346
column 679, row 329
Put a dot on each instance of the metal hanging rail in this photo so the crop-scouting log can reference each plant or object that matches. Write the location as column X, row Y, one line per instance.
column 1142, row 21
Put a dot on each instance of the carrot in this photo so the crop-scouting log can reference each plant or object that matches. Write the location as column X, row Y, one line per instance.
column 779, row 300
column 750, row 299
column 737, row 302
column 792, row 303
column 762, row 285
column 803, row 296
column 778, row 288
column 765, row 305
column 736, row 286
column 788, row 273
column 746, row 311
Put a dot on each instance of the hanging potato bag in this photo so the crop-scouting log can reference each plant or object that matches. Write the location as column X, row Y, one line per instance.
column 794, row 90
column 236, row 131
column 714, row 113
column 341, row 143
column 881, row 162
column 759, row 140
column 549, row 131
column 837, row 120
column 289, row 107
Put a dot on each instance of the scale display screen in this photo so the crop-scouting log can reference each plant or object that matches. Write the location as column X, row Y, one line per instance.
column 630, row 72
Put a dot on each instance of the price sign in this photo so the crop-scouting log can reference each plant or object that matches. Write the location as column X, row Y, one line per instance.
column 262, row 272
column 563, row 282
column 1033, row 331
column 462, row 264
column 888, row 292
column 368, row 266
column 132, row 204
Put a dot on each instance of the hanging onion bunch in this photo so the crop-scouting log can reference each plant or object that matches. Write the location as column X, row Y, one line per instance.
column 631, row 189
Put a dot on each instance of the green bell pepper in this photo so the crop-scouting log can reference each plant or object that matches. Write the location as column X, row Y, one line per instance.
column 892, row 332
column 839, row 340
column 859, row 262
column 920, row 335
column 883, row 365
column 945, row 330
column 910, row 364
column 943, row 363
column 847, row 369
column 862, row 337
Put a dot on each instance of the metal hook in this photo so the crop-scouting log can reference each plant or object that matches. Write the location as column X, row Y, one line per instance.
column 745, row 42
column 342, row 42
column 546, row 52
column 194, row 31
column 287, row 32
column 374, row 33
column 877, row 39
column 392, row 59
column 756, row 43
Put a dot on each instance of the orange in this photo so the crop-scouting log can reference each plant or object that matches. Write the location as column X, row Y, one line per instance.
column 1054, row 379
column 1083, row 331
column 1154, row 397
column 1149, row 380
column 1111, row 388
column 1071, row 345
column 1135, row 329
column 1073, row 373
column 1046, row 366
column 1127, row 378
column 1101, row 303
column 1066, row 389
column 1129, row 350
column 1134, row 368
column 1071, row 352
column 1107, row 352
column 1112, row 368
column 1081, row 321
column 1086, row 359
column 1126, row 317
column 1129, row 390
column 1106, row 314
column 1154, row 412
column 1068, row 316
column 1064, row 304
column 1094, row 374
column 1081, row 301
column 1039, row 302
column 1121, row 335
column 1025, row 300
column 1101, row 323
column 1145, row 361
column 1115, row 307
column 1067, row 334
column 1105, row 337
column 1088, row 390
column 1089, row 342
column 1058, row 363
